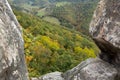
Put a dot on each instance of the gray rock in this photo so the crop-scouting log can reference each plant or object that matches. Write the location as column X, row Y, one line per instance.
column 106, row 22
column 105, row 30
column 50, row 76
column 92, row 69
column 12, row 61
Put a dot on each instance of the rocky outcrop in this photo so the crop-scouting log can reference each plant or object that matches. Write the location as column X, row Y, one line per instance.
column 92, row 69
column 50, row 76
column 12, row 62
column 106, row 22
column 105, row 30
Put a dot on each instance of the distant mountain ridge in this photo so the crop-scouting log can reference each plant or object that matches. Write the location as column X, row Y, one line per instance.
column 52, row 1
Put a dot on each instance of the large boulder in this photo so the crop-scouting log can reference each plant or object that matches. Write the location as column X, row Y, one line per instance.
column 12, row 61
column 92, row 69
column 50, row 76
column 105, row 30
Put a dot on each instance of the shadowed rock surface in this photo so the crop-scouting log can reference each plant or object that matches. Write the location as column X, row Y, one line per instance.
column 12, row 62
column 92, row 69
column 105, row 30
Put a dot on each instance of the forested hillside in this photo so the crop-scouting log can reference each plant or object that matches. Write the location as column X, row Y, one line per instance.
column 49, row 47
column 74, row 14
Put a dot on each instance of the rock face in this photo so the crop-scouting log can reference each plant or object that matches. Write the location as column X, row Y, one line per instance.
column 92, row 69
column 105, row 30
column 12, row 62
column 51, row 76
column 106, row 22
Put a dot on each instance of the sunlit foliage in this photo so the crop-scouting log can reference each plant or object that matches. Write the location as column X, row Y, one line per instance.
column 49, row 47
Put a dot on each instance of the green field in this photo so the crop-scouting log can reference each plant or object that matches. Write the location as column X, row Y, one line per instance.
column 52, row 20
column 42, row 12
column 58, row 4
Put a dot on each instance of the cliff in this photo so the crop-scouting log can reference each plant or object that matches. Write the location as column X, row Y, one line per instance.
column 104, row 28
column 12, row 62
column 105, row 31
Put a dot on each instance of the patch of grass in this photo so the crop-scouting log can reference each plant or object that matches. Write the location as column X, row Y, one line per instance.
column 58, row 4
column 42, row 12
column 52, row 20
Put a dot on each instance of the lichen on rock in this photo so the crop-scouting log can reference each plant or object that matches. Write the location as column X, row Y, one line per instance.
column 12, row 62
column 92, row 69
column 105, row 30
